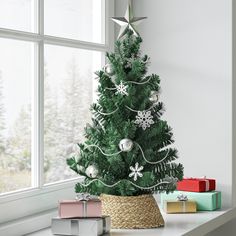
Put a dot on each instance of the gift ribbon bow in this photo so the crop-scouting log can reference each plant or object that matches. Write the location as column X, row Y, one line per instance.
column 182, row 197
column 83, row 197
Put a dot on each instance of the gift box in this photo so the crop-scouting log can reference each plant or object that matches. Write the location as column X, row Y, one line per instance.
column 181, row 204
column 80, row 208
column 81, row 226
column 196, row 185
column 106, row 224
column 175, row 206
column 206, row 201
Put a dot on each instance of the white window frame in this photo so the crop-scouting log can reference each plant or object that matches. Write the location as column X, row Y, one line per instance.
column 41, row 197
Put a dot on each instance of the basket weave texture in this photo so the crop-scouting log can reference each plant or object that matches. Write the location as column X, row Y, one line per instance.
column 132, row 212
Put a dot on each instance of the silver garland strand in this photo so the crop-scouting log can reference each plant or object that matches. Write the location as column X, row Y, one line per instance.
column 109, row 113
column 113, row 185
column 105, row 154
column 152, row 162
column 114, row 154
column 150, row 108
column 129, row 108
column 144, row 82
column 132, row 82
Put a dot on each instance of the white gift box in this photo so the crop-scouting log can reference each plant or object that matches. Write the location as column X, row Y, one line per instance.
column 81, row 226
column 106, row 224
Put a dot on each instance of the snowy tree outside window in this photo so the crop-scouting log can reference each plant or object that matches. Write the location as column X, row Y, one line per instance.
column 68, row 90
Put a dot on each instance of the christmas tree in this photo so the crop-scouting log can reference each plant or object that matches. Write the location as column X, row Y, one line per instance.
column 128, row 149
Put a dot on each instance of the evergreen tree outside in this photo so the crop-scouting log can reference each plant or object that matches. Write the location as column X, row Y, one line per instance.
column 64, row 125
column 18, row 147
column 2, row 118
column 128, row 149
column 15, row 148
column 15, row 139
column 16, row 161
column 78, row 94
column 51, row 132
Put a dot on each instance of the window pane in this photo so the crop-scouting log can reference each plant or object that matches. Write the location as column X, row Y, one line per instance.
column 75, row 19
column 18, row 14
column 68, row 94
column 16, row 70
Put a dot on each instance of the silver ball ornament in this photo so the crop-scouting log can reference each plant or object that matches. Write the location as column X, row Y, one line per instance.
column 91, row 171
column 154, row 97
column 108, row 69
column 126, row 145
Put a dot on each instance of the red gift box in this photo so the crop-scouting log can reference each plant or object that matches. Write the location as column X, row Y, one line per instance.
column 196, row 185
column 80, row 208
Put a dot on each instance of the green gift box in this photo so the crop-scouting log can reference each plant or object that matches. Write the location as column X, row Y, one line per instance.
column 206, row 201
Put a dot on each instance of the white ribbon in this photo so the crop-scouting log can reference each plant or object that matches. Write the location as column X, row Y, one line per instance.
column 183, row 206
column 207, row 185
column 84, row 198
column 183, row 198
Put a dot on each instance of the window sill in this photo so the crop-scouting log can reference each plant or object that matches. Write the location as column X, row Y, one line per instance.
column 30, row 192
column 26, row 203
column 197, row 224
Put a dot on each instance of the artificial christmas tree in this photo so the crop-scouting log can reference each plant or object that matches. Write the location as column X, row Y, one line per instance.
column 128, row 152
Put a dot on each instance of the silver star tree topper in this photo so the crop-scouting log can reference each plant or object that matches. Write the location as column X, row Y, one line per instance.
column 128, row 22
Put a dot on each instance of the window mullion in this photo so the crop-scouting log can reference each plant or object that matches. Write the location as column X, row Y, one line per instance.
column 41, row 94
column 35, row 122
column 37, row 111
column 35, row 150
column 39, row 40
column 38, row 115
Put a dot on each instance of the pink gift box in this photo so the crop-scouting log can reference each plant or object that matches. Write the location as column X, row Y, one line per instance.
column 80, row 208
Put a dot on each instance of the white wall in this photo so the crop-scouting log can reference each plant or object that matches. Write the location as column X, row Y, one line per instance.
column 190, row 46
column 189, row 43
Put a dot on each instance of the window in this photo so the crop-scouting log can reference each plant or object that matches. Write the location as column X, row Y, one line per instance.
column 84, row 19
column 15, row 113
column 49, row 51
column 18, row 15
column 68, row 91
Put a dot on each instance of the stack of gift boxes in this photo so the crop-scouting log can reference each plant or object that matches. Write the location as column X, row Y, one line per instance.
column 194, row 194
column 82, row 217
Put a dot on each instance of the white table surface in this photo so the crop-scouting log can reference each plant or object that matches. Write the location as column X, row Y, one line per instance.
column 175, row 225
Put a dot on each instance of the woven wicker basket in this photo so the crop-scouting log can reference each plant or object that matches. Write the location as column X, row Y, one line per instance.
column 134, row 212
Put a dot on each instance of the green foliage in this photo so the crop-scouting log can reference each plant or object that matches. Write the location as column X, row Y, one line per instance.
column 106, row 131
